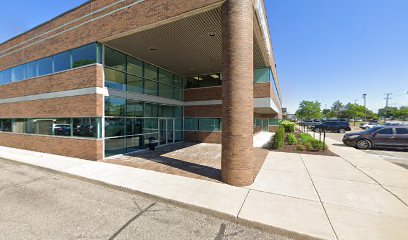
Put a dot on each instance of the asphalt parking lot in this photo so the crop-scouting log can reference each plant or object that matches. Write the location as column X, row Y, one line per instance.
column 399, row 157
column 38, row 204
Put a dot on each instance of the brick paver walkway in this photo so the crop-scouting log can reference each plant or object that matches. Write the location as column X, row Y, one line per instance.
column 195, row 160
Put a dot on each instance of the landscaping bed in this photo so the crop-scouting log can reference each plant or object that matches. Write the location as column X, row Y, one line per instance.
column 287, row 140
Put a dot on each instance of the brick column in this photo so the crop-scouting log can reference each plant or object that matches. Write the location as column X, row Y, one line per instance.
column 237, row 99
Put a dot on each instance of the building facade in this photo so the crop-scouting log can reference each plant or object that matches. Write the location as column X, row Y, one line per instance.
column 105, row 77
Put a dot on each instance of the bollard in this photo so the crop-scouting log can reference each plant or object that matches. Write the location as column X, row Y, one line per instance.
column 324, row 138
column 320, row 135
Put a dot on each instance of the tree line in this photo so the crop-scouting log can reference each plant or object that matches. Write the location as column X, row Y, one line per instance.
column 312, row 110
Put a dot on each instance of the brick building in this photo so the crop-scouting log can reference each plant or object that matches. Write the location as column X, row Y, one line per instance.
column 103, row 78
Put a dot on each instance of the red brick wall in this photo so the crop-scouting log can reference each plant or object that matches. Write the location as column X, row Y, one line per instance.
column 205, row 137
column 119, row 23
column 79, row 148
column 86, row 77
column 77, row 106
column 203, row 94
column 210, row 111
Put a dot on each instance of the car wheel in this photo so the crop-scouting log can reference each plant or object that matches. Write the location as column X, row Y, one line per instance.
column 342, row 131
column 363, row 144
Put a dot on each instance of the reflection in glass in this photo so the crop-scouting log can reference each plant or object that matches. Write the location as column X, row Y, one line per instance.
column 44, row 66
column 115, row 106
column 84, row 55
column 115, row 59
column 62, row 61
column 114, row 127
column 18, row 73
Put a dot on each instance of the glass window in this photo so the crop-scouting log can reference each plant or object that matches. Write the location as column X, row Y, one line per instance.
column 134, row 108
column 18, row 73
column 58, row 127
column 178, row 94
column 5, row 125
column 209, row 80
column 150, row 125
column 134, row 66
column 44, row 66
column 258, row 122
column 62, row 61
column 166, row 111
column 31, row 69
column 179, row 123
column 401, row 130
column 166, row 91
column 114, row 146
column 191, row 82
column 150, row 72
column 150, row 87
column 178, row 81
column 206, row 124
column 115, row 106
column 191, row 124
column 134, row 84
column 218, row 124
column 147, row 136
column 114, row 127
column 385, row 131
column 178, row 111
column 166, row 77
column 134, row 126
column 5, row 76
column 115, row 59
column 179, row 136
column 19, row 126
column 134, row 143
column 87, row 127
column 150, row 110
column 115, row 79
column 261, row 75
column 84, row 55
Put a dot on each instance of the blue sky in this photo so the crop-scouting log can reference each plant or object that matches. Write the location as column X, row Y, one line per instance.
column 325, row 50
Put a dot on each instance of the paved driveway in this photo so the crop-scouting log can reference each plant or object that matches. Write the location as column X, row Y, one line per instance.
column 37, row 204
column 399, row 157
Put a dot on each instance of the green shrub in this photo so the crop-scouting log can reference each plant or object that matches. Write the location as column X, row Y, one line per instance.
column 279, row 138
column 291, row 139
column 308, row 146
column 317, row 145
column 300, row 147
column 306, row 137
column 289, row 126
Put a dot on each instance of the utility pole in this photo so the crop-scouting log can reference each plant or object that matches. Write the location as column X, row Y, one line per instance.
column 365, row 108
column 387, row 99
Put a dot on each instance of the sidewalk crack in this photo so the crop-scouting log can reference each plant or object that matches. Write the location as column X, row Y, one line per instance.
column 246, row 196
column 320, row 200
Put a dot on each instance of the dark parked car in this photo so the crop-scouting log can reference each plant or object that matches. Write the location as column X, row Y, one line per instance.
column 333, row 126
column 382, row 136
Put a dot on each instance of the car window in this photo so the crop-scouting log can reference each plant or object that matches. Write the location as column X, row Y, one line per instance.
column 385, row 131
column 402, row 130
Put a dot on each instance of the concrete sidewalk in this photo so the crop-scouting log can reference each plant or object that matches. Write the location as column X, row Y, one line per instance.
column 354, row 196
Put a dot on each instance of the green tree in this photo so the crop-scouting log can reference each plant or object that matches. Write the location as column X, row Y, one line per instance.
column 354, row 111
column 387, row 112
column 309, row 110
column 338, row 109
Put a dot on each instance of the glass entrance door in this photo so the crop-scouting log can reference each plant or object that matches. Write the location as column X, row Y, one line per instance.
column 162, row 131
column 166, row 131
column 170, row 130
